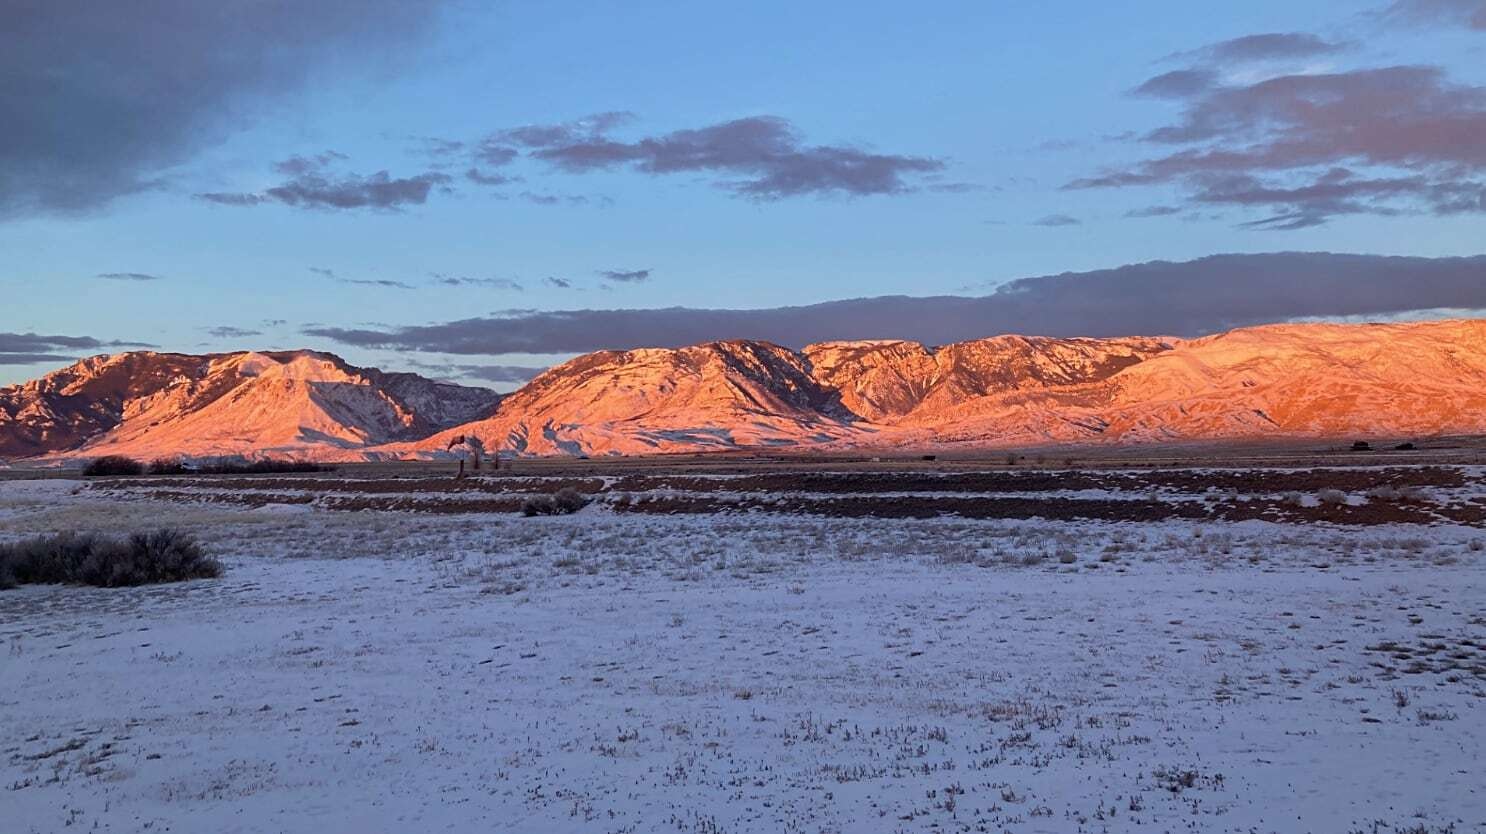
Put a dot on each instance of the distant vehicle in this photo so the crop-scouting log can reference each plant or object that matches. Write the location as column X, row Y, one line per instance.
column 1362, row 446
column 1405, row 447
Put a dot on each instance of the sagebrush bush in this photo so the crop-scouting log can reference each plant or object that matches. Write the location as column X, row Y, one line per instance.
column 563, row 502
column 86, row 559
column 267, row 466
column 113, row 465
column 1331, row 496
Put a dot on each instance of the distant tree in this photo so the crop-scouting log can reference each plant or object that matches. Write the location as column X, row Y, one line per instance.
column 472, row 446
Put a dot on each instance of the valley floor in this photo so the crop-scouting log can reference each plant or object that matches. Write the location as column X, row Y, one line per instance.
column 746, row 671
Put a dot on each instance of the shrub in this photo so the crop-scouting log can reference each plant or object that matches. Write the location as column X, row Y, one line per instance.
column 563, row 502
column 85, row 559
column 116, row 465
column 267, row 466
column 1331, row 496
column 167, row 466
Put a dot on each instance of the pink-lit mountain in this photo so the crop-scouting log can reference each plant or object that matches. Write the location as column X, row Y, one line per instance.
column 1291, row 380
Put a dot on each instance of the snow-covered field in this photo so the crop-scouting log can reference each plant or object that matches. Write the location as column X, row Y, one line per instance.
column 606, row 672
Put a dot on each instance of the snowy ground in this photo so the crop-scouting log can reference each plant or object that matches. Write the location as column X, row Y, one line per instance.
column 378, row 671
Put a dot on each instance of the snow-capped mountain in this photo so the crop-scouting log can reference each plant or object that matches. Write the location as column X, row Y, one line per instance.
column 288, row 404
column 1291, row 380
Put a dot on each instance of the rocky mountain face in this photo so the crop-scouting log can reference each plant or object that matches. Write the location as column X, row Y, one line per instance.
column 1293, row 380
column 714, row 396
column 289, row 404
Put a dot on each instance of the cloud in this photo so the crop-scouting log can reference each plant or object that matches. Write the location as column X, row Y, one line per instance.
column 1153, row 211
column 32, row 358
column 1307, row 148
column 498, row 373
column 475, row 175
column 378, row 282
column 322, row 271
column 1055, row 220
column 128, row 276
column 1269, row 46
column 33, row 348
column 229, row 332
column 101, row 99
column 560, row 283
column 311, row 185
column 463, row 281
column 1178, row 84
column 1198, row 297
column 625, row 276
column 758, row 157
column 486, row 373
column 1468, row 13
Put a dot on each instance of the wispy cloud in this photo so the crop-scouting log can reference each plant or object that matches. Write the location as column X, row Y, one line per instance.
column 625, row 276
column 229, row 332
column 465, row 281
column 1308, row 147
column 34, row 348
column 1055, row 220
column 312, row 185
column 759, row 157
column 128, row 276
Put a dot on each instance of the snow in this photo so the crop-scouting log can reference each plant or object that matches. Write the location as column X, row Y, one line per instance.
column 367, row 672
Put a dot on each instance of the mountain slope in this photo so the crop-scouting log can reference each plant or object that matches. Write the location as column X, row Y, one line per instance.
column 300, row 403
column 1292, row 380
column 711, row 396
column 1296, row 380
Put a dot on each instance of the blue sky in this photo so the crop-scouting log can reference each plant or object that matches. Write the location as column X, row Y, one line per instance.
column 1007, row 103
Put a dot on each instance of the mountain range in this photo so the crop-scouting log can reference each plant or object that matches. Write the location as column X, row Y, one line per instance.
column 1286, row 380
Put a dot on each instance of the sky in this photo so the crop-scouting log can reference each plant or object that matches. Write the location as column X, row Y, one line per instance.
column 475, row 191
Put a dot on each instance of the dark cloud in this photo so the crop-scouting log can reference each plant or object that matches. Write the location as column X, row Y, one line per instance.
column 560, row 283
column 1468, row 13
column 761, row 157
column 625, row 276
column 312, row 185
column 1306, row 148
column 1198, row 297
column 100, row 99
column 128, row 276
column 229, row 332
column 1055, row 220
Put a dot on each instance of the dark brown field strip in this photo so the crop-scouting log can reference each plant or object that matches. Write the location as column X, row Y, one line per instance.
column 910, row 506
column 1188, row 481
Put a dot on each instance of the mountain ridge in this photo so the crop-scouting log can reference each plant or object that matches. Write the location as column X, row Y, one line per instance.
column 239, row 404
column 1268, row 381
